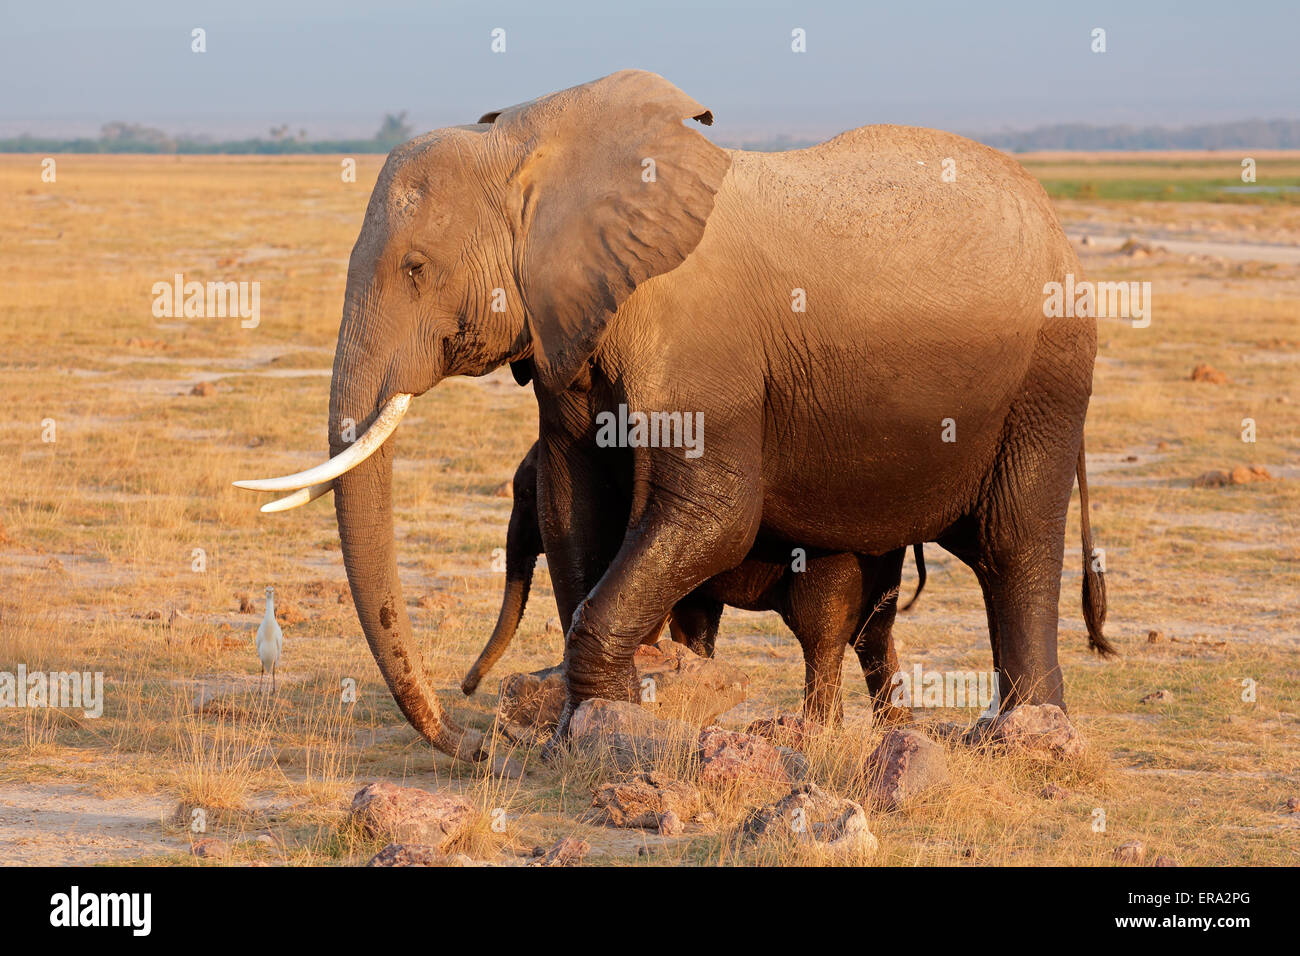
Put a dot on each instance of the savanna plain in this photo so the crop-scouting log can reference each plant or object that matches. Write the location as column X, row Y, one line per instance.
column 152, row 418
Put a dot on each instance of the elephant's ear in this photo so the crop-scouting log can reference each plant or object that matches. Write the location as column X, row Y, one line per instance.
column 611, row 189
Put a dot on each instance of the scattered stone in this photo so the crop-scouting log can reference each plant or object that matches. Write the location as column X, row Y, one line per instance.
column 1158, row 697
column 417, row 854
column 784, row 730
column 1241, row 475
column 796, row 765
column 1134, row 248
column 728, row 758
column 265, row 839
column 679, row 683
column 1086, row 241
column 904, row 765
column 1130, row 458
column 627, row 733
column 204, row 389
column 671, row 825
column 810, row 816
column 210, row 848
column 534, row 700
column 408, row 815
column 643, row 801
column 569, row 851
column 1038, row 730
column 1155, row 637
column 1132, row 852
column 1053, row 792
column 1164, row 861
column 1208, row 373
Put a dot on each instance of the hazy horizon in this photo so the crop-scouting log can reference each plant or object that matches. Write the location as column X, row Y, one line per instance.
column 334, row 68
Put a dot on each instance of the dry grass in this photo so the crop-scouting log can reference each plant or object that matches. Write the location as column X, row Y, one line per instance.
column 98, row 531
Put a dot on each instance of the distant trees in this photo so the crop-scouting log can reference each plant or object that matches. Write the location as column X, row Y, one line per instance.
column 1245, row 134
column 394, row 129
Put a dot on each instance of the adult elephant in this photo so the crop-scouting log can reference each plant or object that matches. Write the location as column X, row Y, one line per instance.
column 864, row 340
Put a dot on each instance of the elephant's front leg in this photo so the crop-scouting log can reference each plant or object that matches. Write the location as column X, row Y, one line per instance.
column 684, row 535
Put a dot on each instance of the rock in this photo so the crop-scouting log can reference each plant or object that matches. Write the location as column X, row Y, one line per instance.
column 677, row 682
column 409, row 815
column 534, row 700
column 203, row 389
column 1155, row 637
column 417, row 854
column 796, row 764
column 1086, row 241
column 1158, row 697
column 1164, row 861
column 1038, row 730
column 728, row 758
column 1293, row 804
column 265, row 839
column 904, row 765
column 670, row 825
column 1241, row 475
column 810, row 816
column 1132, row 852
column 505, row 490
column 1208, row 373
column 643, row 801
column 569, row 851
column 210, row 848
column 627, row 733
column 1053, row 792
column 784, row 730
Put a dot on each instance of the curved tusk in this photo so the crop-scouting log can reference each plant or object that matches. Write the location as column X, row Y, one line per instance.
column 349, row 458
column 299, row 497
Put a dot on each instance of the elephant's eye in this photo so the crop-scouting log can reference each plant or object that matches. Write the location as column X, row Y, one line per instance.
column 414, row 269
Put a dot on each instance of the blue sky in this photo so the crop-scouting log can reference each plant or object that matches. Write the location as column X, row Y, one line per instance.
column 335, row 67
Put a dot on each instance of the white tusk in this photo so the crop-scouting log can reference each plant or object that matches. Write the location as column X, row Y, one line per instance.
column 299, row 497
column 349, row 458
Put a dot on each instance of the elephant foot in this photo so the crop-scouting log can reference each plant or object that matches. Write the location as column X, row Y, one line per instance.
column 891, row 715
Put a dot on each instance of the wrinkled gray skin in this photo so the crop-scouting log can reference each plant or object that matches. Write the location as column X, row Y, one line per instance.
column 832, row 601
column 923, row 303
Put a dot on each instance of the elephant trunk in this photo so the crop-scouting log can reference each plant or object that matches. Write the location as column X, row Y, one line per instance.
column 363, row 506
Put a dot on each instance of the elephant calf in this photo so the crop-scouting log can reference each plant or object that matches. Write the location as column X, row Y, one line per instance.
column 837, row 599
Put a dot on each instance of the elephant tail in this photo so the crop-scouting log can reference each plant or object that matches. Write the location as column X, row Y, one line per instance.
column 919, row 554
column 1094, row 580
